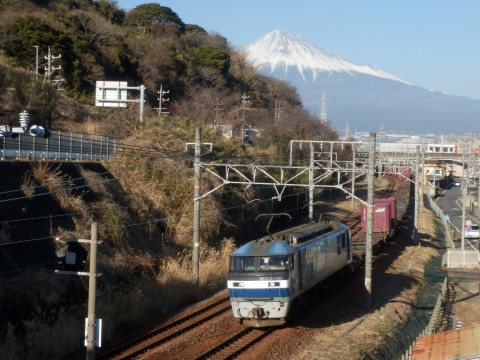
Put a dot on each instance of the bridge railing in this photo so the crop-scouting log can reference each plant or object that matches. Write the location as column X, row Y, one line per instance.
column 59, row 146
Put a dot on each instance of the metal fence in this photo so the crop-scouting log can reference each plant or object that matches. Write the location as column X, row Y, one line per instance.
column 428, row 330
column 59, row 146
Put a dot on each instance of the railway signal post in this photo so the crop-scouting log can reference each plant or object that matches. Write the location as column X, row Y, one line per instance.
column 93, row 325
column 196, row 206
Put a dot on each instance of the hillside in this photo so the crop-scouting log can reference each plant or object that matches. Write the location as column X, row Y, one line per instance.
column 207, row 82
column 142, row 198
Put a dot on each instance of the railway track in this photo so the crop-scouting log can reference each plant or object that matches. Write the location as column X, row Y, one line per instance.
column 167, row 332
column 236, row 344
column 229, row 348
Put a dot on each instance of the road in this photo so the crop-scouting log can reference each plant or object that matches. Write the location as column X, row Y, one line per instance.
column 450, row 201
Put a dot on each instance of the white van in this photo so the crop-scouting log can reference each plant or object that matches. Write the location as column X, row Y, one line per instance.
column 472, row 232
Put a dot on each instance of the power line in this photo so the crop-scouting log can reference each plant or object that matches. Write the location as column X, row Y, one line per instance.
column 26, row 241
column 27, row 268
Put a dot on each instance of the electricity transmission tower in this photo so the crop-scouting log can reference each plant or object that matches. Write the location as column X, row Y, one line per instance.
column 323, row 109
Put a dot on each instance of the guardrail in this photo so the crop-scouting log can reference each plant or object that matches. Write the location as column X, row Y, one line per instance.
column 59, row 146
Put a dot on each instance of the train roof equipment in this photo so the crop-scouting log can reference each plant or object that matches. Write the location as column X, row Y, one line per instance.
column 283, row 242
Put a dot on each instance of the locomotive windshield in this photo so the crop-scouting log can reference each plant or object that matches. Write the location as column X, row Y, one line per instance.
column 258, row 263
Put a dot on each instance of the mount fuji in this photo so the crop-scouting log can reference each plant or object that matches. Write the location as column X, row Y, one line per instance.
column 358, row 96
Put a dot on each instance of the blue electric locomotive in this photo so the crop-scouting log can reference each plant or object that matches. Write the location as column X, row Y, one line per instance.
column 268, row 275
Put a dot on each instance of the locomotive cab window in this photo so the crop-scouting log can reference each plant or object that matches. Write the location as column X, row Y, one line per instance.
column 242, row 263
column 258, row 263
column 274, row 263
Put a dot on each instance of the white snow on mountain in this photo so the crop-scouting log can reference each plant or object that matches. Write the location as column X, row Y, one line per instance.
column 279, row 49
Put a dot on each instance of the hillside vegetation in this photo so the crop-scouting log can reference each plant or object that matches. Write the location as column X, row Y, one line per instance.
column 142, row 200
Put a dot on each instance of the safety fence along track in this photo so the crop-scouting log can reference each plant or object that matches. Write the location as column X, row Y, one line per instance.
column 59, row 146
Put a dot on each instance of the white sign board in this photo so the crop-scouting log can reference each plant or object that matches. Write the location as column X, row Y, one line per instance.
column 98, row 332
column 110, row 94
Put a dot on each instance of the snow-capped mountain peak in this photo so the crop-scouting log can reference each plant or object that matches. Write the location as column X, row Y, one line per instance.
column 280, row 50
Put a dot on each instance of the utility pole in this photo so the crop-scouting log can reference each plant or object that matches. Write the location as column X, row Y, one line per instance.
column 244, row 125
column 92, row 294
column 196, row 206
column 464, row 201
column 370, row 210
column 422, row 179
column 353, row 175
column 244, row 101
column 310, row 182
column 275, row 111
column 161, row 100
column 218, row 108
column 417, row 196
column 278, row 110
column 36, row 62
column 50, row 68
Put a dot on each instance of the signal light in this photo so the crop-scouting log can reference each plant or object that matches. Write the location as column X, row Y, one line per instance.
column 72, row 257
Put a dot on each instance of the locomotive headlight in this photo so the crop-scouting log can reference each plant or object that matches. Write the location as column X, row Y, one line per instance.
column 238, row 284
column 273, row 284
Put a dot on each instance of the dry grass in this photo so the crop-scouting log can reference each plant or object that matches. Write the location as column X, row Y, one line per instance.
column 59, row 184
column 28, row 185
column 133, row 289
column 144, row 275
column 159, row 288
column 40, row 294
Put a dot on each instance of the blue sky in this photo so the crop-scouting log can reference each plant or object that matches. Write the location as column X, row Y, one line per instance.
column 434, row 44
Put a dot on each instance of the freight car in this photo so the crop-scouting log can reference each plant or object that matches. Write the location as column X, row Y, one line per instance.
column 384, row 216
column 269, row 275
